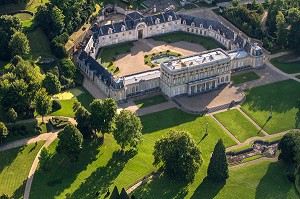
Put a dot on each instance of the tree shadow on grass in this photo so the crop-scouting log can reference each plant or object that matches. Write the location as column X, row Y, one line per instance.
column 18, row 193
column 208, row 189
column 8, row 157
column 62, row 173
column 281, row 96
column 101, row 179
column 274, row 184
column 162, row 187
column 165, row 119
column 297, row 124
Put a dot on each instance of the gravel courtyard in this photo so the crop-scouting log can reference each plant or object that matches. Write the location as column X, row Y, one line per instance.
column 133, row 62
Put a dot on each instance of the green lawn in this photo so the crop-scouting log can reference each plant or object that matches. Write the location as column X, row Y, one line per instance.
column 14, row 167
column 290, row 67
column 85, row 98
column 245, row 77
column 147, row 58
column 207, row 42
column 158, row 99
column 282, row 97
column 39, row 44
column 238, row 124
column 29, row 5
column 262, row 180
column 103, row 167
column 108, row 54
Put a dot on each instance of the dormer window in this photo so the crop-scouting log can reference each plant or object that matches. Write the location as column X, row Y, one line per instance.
column 110, row 31
column 170, row 18
column 157, row 21
column 123, row 28
column 184, row 22
column 210, row 27
column 201, row 25
column 193, row 24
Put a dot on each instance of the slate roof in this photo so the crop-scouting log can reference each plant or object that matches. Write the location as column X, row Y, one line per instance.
column 101, row 72
column 131, row 21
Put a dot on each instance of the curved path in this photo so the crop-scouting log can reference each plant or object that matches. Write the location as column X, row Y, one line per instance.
column 48, row 137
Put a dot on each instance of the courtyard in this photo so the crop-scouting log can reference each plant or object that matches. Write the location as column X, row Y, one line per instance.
column 133, row 61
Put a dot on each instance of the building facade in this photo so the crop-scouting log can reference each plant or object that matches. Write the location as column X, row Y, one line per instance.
column 189, row 75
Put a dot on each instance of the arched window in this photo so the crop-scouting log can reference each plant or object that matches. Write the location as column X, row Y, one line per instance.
column 193, row 24
column 184, row 22
column 201, row 25
column 123, row 28
column 157, row 21
column 110, row 31
column 170, row 18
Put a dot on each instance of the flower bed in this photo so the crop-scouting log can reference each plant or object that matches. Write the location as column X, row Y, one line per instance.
column 150, row 58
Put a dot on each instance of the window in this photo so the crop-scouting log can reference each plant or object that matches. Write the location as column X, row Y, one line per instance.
column 130, row 32
column 188, row 29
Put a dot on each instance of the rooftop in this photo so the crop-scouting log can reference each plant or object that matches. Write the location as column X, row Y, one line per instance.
column 237, row 54
column 198, row 60
column 143, row 76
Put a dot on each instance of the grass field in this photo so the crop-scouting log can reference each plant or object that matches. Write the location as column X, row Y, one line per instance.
column 39, row 44
column 245, row 77
column 238, row 124
column 14, row 167
column 81, row 94
column 290, row 67
column 207, row 42
column 262, row 180
column 31, row 5
column 158, row 99
column 282, row 97
column 103, row 167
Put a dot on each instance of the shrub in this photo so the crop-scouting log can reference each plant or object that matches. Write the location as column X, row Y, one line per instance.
column 168, row 51
column 153, row 54
column 56, row 105
column 84, row 28
column 146, row 62
column 152, row 66
column 117, row 53
column 128, row 50
column 117, row 69
column 145, row 56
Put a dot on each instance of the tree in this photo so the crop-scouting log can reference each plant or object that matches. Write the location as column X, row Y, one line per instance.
column 68, row 68
column 3, row 131
column 9, row 25
column 19, row 45
column 83, row 119
column 76, row 106
column 11, row 115
column 70, row 142
column 218, row 167
column 281, row 30
column 288, row 146
column 128, row 129
column 51, row 83
column 115, row 193
column 235, row 3
column 178, row 154
column 123, row 194
column 44, row 158
column 43, row 103
column 103, row 114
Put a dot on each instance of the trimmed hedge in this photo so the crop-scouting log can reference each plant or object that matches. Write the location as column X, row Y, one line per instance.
column 56, row 105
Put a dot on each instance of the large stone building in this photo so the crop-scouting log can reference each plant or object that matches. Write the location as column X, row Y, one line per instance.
column 188, row 75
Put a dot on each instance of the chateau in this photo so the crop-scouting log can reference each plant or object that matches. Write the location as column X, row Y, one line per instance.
column 187, row 75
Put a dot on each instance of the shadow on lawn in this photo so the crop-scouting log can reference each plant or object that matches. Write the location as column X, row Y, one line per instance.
column 62, row 173
column 281, row 96
column 165, row 119
column 19, row 193
column 7, row 160
column 274, row 184
column 103, row 177
column 207, row 189
column 297, row 124
column 162, row 187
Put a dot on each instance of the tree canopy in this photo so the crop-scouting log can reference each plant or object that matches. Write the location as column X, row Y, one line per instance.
column 128, row 129
column 3, row 131
column 218, row 167
column 83, row 119
column 11, row 115
column 288, row 146
column 103, row 114
column 19, row 45
column 70, row 142
column 43, row 103
column 51, row 83
column 179, row 155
